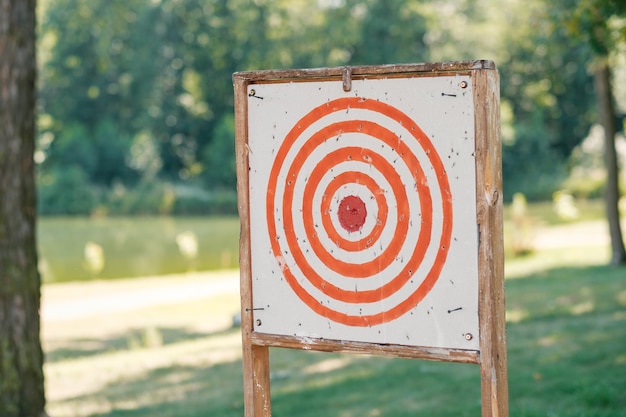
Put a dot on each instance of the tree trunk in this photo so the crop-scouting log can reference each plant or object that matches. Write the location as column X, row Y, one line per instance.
column 606, row 111
column 21, row 357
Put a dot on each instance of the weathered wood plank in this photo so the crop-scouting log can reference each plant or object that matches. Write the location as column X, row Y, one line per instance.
column 362, row 71
column 493, row 360
column 339, row 346
column 256, row 366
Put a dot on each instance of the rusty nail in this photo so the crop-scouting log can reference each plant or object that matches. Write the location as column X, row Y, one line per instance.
column 468, row 336
column 463, row 84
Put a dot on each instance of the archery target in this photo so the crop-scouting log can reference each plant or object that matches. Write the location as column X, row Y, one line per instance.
column 357, row 207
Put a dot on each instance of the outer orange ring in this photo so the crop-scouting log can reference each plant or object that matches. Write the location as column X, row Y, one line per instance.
column 420, row 182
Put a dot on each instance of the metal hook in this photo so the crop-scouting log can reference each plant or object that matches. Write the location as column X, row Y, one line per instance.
column 347, row 78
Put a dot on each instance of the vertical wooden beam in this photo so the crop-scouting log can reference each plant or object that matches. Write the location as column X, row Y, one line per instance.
column 493, row 362
column 256, row 366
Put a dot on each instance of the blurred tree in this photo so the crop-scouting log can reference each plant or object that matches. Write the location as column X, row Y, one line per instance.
column 392, row 32
column 549, row 94
column 66, row 191
column 21, row 357
column 93, row 88
column 120, row 69
column 546, row 92
column 602, row 24
column 126, row 77
column 220, row 173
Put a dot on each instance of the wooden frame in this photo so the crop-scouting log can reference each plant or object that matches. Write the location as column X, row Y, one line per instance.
column 492, row 352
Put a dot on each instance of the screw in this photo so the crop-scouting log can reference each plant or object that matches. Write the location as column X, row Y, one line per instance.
column 252, row 93
column 468, row 336
column 258, row 322
column 463, row 84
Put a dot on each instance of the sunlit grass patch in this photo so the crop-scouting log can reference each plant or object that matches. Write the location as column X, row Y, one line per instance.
column 140, row 376
column 542, row 261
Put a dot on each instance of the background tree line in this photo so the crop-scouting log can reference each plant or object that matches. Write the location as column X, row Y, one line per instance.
column 135, row 96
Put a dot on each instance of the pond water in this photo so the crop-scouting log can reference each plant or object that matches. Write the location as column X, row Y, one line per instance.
column 79, row 249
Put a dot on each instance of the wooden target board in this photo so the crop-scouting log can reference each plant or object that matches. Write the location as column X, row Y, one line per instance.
column 368, row 231
column 371, row 211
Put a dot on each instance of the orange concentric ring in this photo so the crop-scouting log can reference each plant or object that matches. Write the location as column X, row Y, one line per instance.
column 387, row 256
column 421, row 184
column 368, row 268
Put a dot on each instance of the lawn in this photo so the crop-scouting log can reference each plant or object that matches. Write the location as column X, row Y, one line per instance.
column 566, row 333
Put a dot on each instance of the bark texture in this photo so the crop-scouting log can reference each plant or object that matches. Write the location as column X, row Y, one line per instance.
column 606, row 110
column 21, row 358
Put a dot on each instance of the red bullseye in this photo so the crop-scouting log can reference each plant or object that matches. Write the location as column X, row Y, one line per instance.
column 352, row 213
column 351, row 177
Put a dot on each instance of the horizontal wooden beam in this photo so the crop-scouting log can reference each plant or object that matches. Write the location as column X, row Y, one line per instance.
column 339, row 346
column 363, row 71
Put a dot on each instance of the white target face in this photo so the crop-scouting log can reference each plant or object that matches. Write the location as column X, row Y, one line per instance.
column 362, row 211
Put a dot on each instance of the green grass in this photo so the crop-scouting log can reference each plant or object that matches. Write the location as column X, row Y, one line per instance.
column 566, row 355
column 543, row 212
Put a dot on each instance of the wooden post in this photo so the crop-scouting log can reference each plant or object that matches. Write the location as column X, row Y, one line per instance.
column 256, row 366
column 493, row 368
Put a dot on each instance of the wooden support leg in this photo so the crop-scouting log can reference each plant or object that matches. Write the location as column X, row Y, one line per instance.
column 256, row 381
column 493, row 368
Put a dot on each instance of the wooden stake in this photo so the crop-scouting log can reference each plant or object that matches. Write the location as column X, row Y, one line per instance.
column 493, row 368
column 256, row 365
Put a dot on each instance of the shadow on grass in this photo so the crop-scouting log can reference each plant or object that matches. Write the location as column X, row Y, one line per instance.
column 567, row 291
column 185, row 391
column 566, row 357
column 135, row 338
column 366, row 386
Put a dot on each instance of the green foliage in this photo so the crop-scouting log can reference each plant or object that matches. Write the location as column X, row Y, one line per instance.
column 531, row 167
column 220, row 168
column 146, row 198
column 66, row 191
column 216, row 202
column 550, row 92
column 134, row 91
column 598, row 22
column 392, row 32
